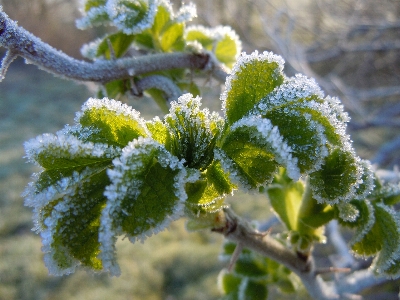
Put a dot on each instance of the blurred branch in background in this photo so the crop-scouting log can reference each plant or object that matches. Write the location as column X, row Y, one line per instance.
column 53, row 21
column 351, row 48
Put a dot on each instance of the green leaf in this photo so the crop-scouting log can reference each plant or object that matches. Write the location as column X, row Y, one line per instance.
column 228, row 47
column 73, row 225
column 95, row 14
column 303, row 135
column 120, row 43
column 286, row 199
column 229, row 282
column 388, row 221
column 221, row 40
column 145, row 196
column 253, row 150
column 116, row 88
column 67, row 197
column 256, row 290
column 158, row 130
column 367, row 182
column 172, row 38
column 201, row 35
column 389, row 194
column 159, row 97
column 145, row 40
column 252, row 78
column 111, row 122
column 162, row 17
column 338, row 178
column 62, row 157
column 207, row 194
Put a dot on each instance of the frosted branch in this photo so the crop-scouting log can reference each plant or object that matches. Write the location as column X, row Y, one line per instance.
column 359, row 280
column 344, row 258
column 20, row 42
column 162, row 83
column 243, row 233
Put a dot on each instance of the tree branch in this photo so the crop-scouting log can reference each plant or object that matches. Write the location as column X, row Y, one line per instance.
column 20, row 42
column 171, row 90
column 242, row 232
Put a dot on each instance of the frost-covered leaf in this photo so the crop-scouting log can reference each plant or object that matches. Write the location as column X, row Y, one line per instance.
column 388, row 222
column 109, row 121
column 348, row 212
column 88, row 4
column 221, row 40
column 67, row 197
column 61, row 157
column 252, row 150
column 158, row 130
column 389, row 194
column 252, row 78
column 379, row 236
column 303, row 135
column 338, row 177
column 95, row 13
column 192, row 132
column 146, row 194
column 163, row 16
column 366, row 182
column 70, row 236
column 200, row 34
column 132, row 16
column 227, row 46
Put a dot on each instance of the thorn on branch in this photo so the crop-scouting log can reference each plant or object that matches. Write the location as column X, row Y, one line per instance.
column 235, row 256
column 6, row 62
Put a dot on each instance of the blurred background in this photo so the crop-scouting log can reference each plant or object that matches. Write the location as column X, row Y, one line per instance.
column 351, row 47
